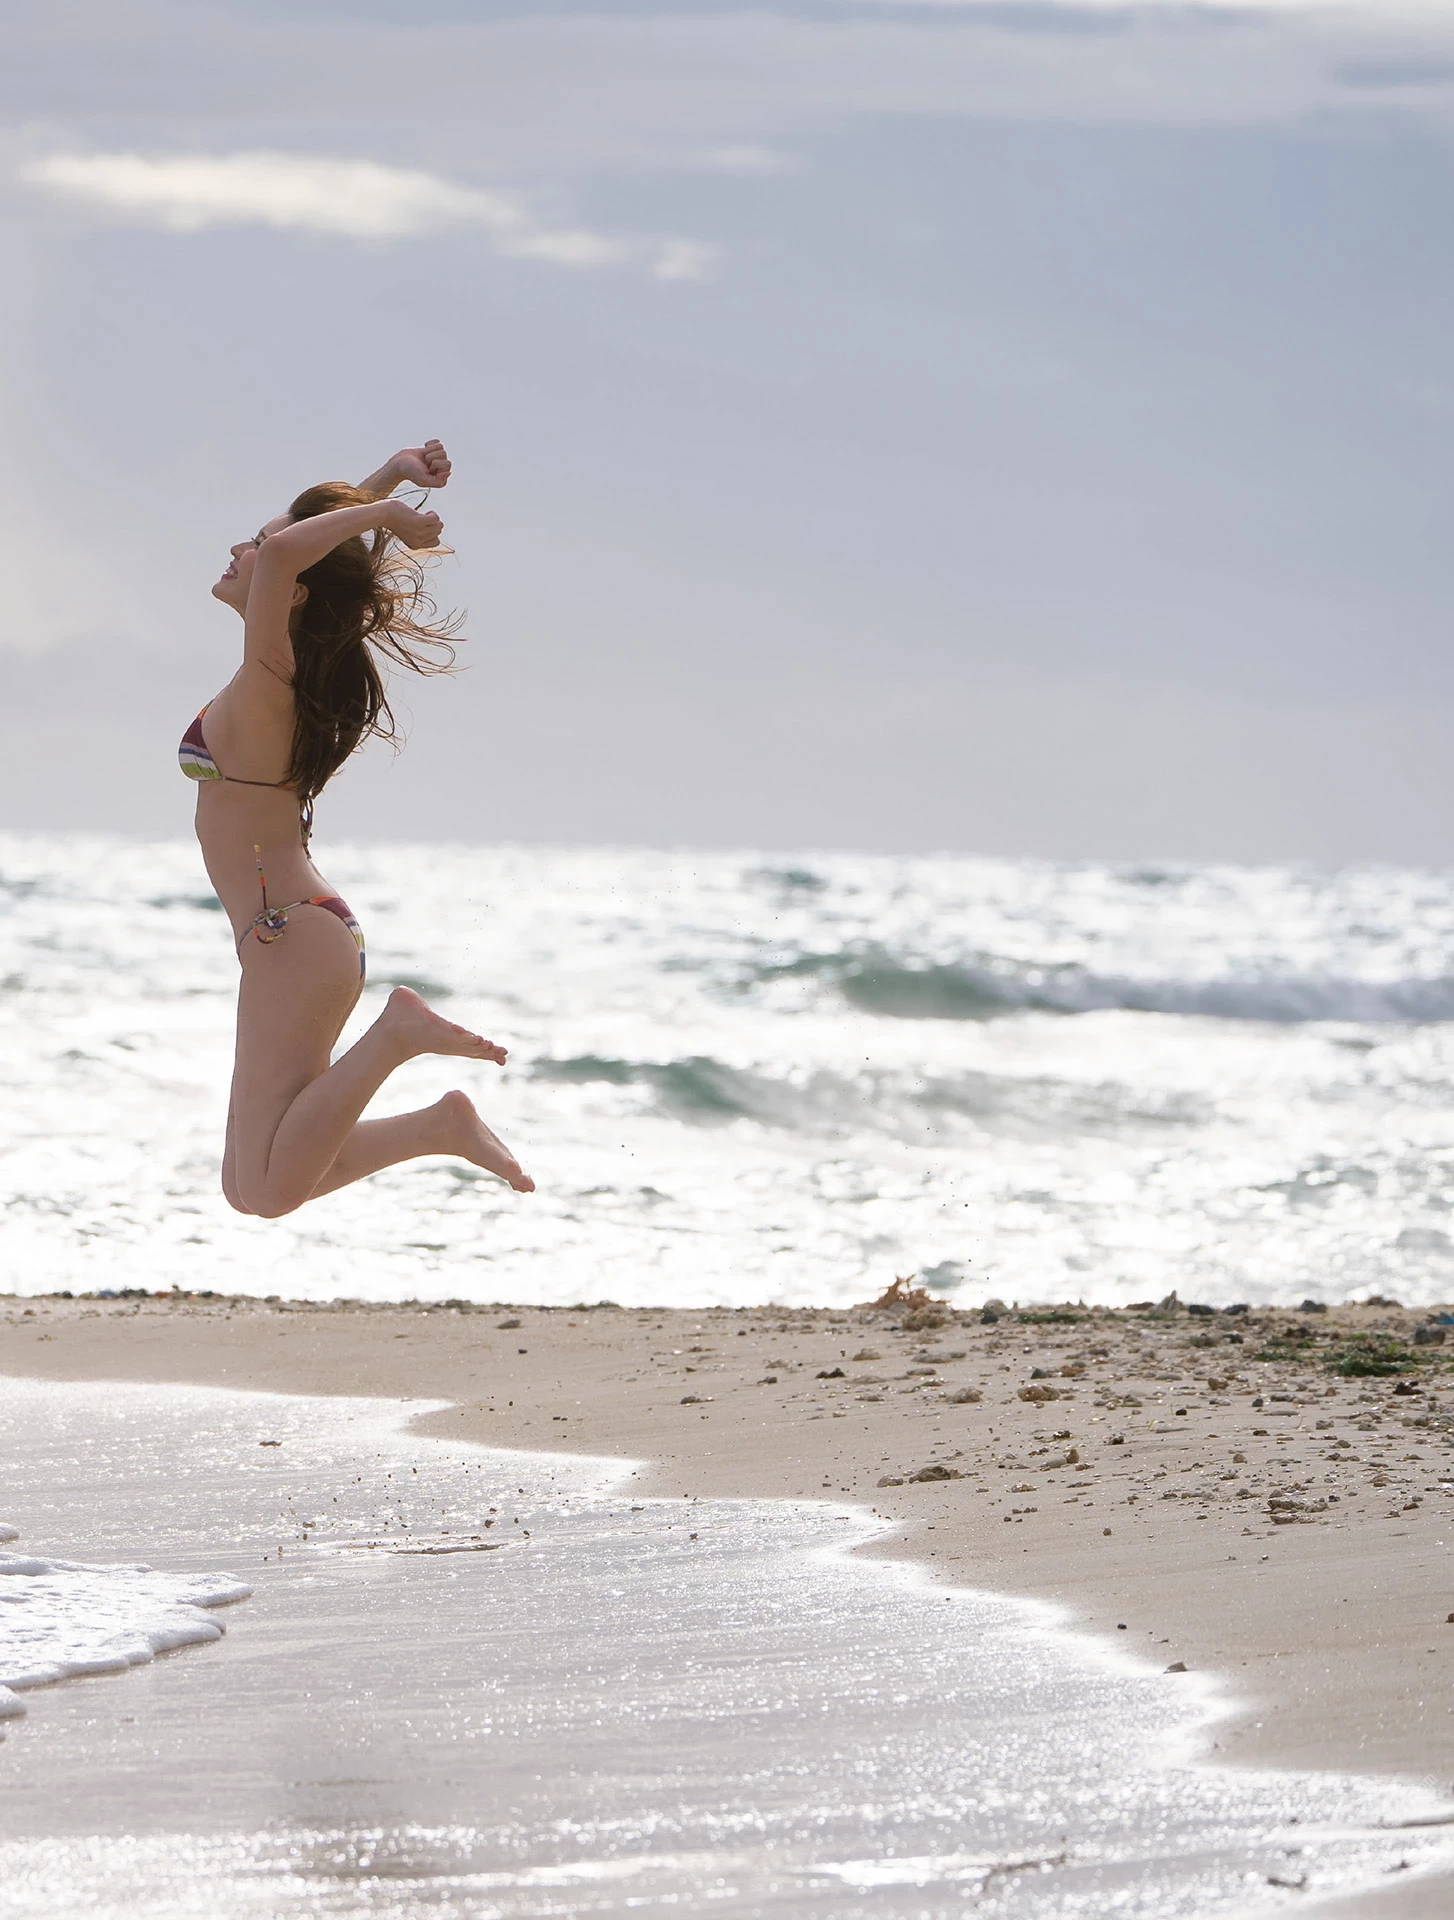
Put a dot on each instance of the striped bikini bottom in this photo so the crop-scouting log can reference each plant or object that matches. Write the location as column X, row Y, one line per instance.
column 272, row 923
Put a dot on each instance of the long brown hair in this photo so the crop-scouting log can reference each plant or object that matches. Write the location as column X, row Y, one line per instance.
column 362, row 595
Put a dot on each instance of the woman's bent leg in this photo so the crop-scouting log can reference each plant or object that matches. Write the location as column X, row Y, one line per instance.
column 451, row 1125
column 292, row 1111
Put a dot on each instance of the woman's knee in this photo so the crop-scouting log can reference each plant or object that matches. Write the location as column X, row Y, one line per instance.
column 232, row 1193
column 261, row 1202
column 270, row 1206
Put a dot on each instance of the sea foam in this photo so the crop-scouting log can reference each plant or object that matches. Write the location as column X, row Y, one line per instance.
column 61, row 1619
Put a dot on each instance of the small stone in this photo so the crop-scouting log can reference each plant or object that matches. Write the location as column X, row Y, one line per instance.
column 1038, row 1373
column 830, row 1373
column 1057, row 1460
column 1116, row 1440
column 270, row 1443
column 965, row 1396
column 890, row 1480
column 691, row 1400
column 937, row 1472
column 1105, row 1533
column 1218, row 1386
column 505, row 1326
column 1177, row 1666
column 1044, row 1393
column 867, row 1353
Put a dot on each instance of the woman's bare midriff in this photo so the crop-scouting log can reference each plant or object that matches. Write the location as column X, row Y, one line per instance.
column 233, row 820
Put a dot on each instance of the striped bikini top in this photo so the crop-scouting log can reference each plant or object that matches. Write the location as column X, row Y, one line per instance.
column 194, row 757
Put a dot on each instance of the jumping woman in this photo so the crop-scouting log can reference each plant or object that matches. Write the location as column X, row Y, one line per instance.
column 319, row 589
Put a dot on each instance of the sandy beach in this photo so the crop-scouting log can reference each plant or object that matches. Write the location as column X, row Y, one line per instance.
column 1224, row 1489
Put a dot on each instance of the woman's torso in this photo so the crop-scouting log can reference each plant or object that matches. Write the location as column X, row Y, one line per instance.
column 245, row 812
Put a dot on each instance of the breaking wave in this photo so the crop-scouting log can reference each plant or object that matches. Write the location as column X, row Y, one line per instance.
column 704, row 1092
column 986, row 987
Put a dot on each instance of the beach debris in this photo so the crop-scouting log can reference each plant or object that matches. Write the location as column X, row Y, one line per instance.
column 1070, row 1458
column 1044, row 1393
column 768, row 1380
column 1285, row 1511
column 903, row 1293
column 1428, row 1336
column 925, row 1319
column 921, row 1311
column 866, row 1353
column 1116, row 1440
column 964, row 1396
column 506, row 1326
column 1023, row 1486
column 695, row 1399
column 896, row 1480
column 936, row 1472
column 831, row 1373
column 270, row 1443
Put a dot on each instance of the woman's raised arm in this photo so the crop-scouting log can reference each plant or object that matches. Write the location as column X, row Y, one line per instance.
column 283, row 555
column 426, row 466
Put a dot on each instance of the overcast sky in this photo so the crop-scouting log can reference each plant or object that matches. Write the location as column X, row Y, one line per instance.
column 1019, row 427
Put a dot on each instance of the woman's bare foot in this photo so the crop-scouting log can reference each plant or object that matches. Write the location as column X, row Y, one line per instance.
column 416, row 1028
column 468, row 1136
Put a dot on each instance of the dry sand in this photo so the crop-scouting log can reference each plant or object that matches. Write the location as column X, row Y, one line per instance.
column 1211, row 1486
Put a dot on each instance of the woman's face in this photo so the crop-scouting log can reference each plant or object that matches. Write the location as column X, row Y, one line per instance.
column 232, row 588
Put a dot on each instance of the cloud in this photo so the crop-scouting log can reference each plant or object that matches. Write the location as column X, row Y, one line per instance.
column 685, row 260
column 355, row 198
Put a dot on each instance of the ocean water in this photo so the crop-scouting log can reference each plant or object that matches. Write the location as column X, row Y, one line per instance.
column 484, row 1685
column 741, row 1078
column 63, row 1619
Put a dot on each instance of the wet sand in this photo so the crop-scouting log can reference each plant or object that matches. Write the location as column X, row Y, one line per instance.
column 1218, row 1488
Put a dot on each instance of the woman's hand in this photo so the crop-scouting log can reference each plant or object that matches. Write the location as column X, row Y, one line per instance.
column 426, row 466
column 417, row 531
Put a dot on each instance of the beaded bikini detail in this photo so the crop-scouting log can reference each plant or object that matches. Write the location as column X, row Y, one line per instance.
column 195, row 759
